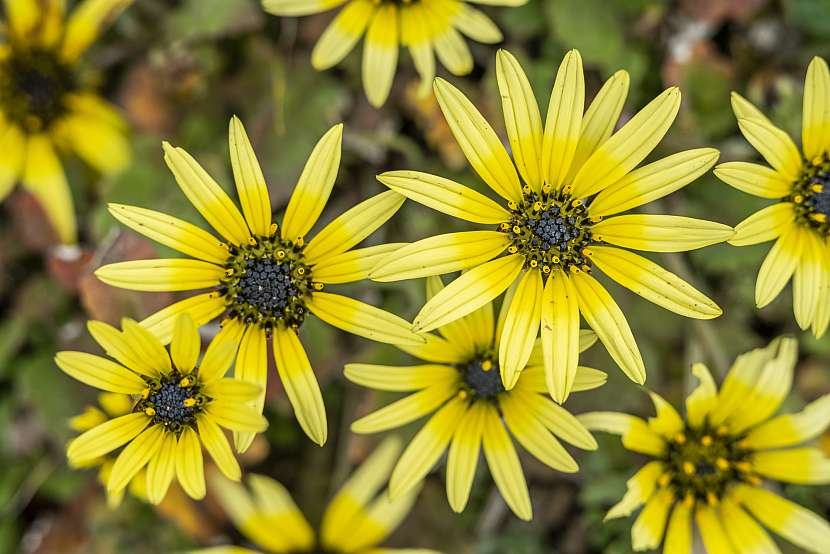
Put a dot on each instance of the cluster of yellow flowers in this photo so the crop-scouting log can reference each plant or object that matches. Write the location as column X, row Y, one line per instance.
column 487, row 379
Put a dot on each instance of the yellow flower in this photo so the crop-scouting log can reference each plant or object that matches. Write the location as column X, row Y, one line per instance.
column 45, row 106
column 712, row 467
column 426, row 27
column 110, row 405
column 266, row 278
column 801, row 183
column 461, row 383
column 576, row 173
column 356, row 521
column 176, row 404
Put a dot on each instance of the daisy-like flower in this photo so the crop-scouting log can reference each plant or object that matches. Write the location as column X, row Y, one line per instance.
column 576, row 172
column 178, row 401
column 713, row 467
column 800, row 181
column 46, row 107
column 110, row 405
column 425, row 27
column 473, row 411
column 356, row 520
column 264, row 278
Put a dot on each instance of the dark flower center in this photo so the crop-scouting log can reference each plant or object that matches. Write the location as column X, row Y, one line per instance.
column 551, row 230
column 482, row 377
column 811, row 195
column 173, row 400
column 33, row 88
column 268, row 283
column 702, row 463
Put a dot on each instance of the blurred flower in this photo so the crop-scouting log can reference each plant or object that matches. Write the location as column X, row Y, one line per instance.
column 110, row 405
column 474, row 410
column 712, row 466
column 356, row 521
column 176, row 405
column 426, row 27
column 801, row 183
column 265, row 279
column 45, row 106
column 576, row 173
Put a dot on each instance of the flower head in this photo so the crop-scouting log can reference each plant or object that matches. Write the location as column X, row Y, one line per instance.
column 110, row 405
column 356, row 521
column 565, row 179
column 177, row 402
column 45, row 106
column 713, row 466
column 798, row 222
column 263, row 278
column 462, row 385
column 426, row 27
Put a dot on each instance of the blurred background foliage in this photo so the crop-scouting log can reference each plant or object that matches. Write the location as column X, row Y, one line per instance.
column 180, row 68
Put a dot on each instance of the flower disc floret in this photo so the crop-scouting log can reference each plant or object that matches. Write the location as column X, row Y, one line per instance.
column 482, row 377
column 173, row 400
column 811, row 195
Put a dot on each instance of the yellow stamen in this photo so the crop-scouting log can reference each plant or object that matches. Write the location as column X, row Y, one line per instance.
column 185, row 382
column 189, row 402
column 680, row 438
column 149, row 411
column 688, row 468
column 512, row 205
column 817, row 188
column 486, row 365
column 545, row 269
column 300, row 241
column 665, row 480
column 722, row 463
column 743, row 467
column 463, row 394
column 706, row 440
column 534, row 263
column 301, row 271
column 689, row 501
column 798, row 199
column 512, row 249
column 821, row 218
column 537, row 206
column 526, row 189
column 273, row 228
column 145, row 393
column 517, row 229
column 252, row 241
column 280, row 254
column 712, row 499
column 318, row 286
column 722, row 430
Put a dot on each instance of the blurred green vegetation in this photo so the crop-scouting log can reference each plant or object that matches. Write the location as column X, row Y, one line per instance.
column 181, row 68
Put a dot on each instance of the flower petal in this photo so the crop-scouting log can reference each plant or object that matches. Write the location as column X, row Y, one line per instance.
column 504, row 465
column 647, row 531
column 161, row 469
column 607, row 320
column 397, row 378
column 13, row 146
column 99, row 372
column 186, row 345
column 342, row 34
column 190, row 470
column 639, row 489
column 636, row 434
column 299, row 7
column 250, row 183
column 535, row 437
column 202, row 308
column 478, row 141
column 560, row 335
column 252, row 367
column 757, row 180
column 87, row 21
column 135, row 456
column 380, row 54
column 116, row 345
column 43, row 176
column 217, row 446
column 463, row 456
column 661, row 233
column 791, row 429
column 353, row 265
column 647, row 279
column 805, row 466
column 779, row 266
column 314, row 187
column 406, row 410
column 703, row 399
column 173, row 274
column 300, row 384
column 679, row 531
column 231, row 413
column 520, row 327
column 774, row 145
column 743, row 531
column 764, row 225
column 563, row 124
column 815, row 129
column 106, row 437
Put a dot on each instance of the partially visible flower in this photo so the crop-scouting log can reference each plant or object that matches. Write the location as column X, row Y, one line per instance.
column 110, row 405
column 177, row 402
column 45, row 106
column 264, row 278
column 356, row 521
column 711, row 468
column 426, row 27
column 473, row 411
column 552, row 228
column 798, row 222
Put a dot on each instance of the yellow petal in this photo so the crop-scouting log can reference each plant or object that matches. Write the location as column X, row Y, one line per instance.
column 217, row 446
column 600, row 119
column 397, row 378
column 353, row 226
column 252, row 367
column 380, row 54
column 775, row 146
column 99, row 372
column 743, row 532
column 555, row 418
column 629, row 146
column 520, row 327
column 103, row 146
column 228, row 409
column 806, row 466
column 478, row 141
column 445, row 196
column 173, row 274
column 314, row 187
column 362, row 319
column 653, row 181
column 667, row 422
column 521, row 117
column 187, row 344
column 644, row 277
column 353, row 265
column 712, row 531
column 161, row 470
column 426, row 448
column 807, row 280
column 190, row 471
column 146, row 345
column 661, row 233
column 221, row 351
column 453, row 52
column 406, row 410
column 463, row 456
column 639, row 489
column 436, row 350
column 105, row 438
column 441, row 254
column 636, row 434
column 206, row 196
column 469, row 292
column 779, row 265
column 135, row 456
column 679, row 531
column 342, row 34
column 250, row 183
column 202, row 308
column 649, row 527
column 504, row 465
column 86, row 22
column 764, row 225
column 172, row 232
column 607, row 320
column 563, row 124
column 117, row 345
column 299, row 7
column 533, row 436
column 476, row 25
column 13, row 146
column 560, row 335
column 703, row 398
column 300, row 385
column 792, row 429
column 43, row 176
column 754, row 179
column 815, row 129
